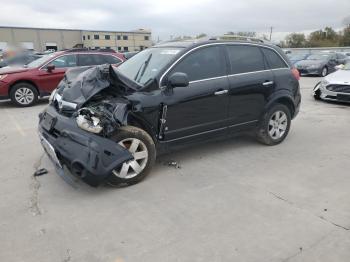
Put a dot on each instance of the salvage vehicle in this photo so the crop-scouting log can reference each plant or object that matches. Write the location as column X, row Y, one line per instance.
column 318, row 64
column 108, row 124
column 334, row 87
column 25, row 84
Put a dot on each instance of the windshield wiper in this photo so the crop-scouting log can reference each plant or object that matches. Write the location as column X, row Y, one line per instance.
column 143, row 68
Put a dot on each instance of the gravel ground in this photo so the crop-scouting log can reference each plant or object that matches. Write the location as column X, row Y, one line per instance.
column 234, row 200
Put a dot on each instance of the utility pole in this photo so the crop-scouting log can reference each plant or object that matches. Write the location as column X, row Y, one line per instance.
column 271, row 28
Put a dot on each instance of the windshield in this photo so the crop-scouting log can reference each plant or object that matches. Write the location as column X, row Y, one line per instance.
column 318, row 57
column 298, row 57
column 145, row 65
column 40, row 61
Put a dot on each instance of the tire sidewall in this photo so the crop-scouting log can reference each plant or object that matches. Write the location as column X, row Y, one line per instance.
column 263, row 131
column 134, row 132
column 324, row 68
column 21, row 85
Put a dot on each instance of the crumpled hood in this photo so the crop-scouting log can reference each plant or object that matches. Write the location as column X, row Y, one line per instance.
column 339, row 77
column 12, row 70
column 80, row 84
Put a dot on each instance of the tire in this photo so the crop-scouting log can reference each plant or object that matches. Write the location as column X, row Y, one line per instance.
column 24, row 95
column 274, row 126
column 324, row 71
column 317, row 93
column 133, row 171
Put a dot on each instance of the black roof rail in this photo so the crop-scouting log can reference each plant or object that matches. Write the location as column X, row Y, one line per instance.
column 108, row 50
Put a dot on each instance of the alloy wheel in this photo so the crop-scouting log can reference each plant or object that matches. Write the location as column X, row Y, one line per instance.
column 24, row 96
column 135, row 166
column 277, row 125
column 324, row 71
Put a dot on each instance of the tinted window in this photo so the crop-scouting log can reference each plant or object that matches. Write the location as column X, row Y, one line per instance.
column 64, row 61
column 96, row 37
column 125, row 37
column 118, row 37
column 107, row 37
column 245, row 59
column 273, row 59
column 203, row 63
column 109, row 59
column 91, row 59
column 341, row 56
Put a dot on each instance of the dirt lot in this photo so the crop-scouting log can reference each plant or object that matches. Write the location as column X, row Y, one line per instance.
column 235, row 200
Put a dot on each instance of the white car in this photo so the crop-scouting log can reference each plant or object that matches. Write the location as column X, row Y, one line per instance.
column 335, row 86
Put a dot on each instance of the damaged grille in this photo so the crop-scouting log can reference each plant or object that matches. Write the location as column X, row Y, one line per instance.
column 339, row 88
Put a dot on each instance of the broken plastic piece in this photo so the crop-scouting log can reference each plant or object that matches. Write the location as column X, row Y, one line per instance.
column 41, row 172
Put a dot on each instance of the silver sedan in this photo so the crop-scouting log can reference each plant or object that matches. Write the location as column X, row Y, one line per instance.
column 334, row 87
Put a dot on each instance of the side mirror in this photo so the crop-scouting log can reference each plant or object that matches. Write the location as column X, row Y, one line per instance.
column 50, row 68
column 178, row 79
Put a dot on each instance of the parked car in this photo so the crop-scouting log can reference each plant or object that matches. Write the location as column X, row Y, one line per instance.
column 23, row 85
column 109, row 124
column 19, row 60
column 342, row 58
column 128, row 55
column 334, row 87
column 294, row 58
column 318, row 64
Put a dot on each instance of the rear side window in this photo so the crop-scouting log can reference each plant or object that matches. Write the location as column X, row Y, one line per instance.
column 204, row 63
column 109, row 59
column 92, row 59
column 245, row 59
column 274, row 60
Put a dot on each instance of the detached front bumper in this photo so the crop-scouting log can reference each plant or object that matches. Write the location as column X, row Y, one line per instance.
column 86, row 155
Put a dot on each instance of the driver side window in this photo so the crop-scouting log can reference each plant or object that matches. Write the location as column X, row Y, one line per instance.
column 64, row 61
column 204, row 63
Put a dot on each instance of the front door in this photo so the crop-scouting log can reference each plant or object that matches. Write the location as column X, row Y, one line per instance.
column 48, row 80
column 201, row 107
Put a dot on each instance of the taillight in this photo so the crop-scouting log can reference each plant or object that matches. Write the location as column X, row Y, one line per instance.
column 296, row 73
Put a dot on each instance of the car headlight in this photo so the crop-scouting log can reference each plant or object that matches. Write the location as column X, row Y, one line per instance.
column 324, row 83
column 2, row 77
column 88, row 121
column 52, row 96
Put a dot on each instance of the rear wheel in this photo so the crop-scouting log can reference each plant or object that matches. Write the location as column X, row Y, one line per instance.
column 324, row 71
column 274, row 125
column 142, row 147
column 24, row 94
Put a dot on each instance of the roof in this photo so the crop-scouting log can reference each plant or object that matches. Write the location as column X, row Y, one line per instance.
column 198, row 42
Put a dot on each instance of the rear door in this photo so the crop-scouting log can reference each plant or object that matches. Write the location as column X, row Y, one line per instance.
column 201, row 107
column 48, row 81
column 251, row 82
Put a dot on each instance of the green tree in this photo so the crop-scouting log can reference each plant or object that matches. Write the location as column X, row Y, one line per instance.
column 324, row 38
column 201, row 35
column 345, row 38
column 295, row 40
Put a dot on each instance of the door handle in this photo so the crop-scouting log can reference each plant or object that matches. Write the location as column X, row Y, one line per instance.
column 221, row 92
column 268, row 83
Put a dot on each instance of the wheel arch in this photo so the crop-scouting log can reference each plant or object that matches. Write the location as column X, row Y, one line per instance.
column 284, row 99
column 23, row 81
column 139, row 122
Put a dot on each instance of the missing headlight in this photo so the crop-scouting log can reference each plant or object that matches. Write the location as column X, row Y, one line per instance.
column 88, row 121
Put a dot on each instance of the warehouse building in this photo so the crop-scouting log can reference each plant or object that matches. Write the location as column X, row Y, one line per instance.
column 41, row 39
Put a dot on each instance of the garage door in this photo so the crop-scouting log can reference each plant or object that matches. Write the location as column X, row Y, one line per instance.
column 27, row 45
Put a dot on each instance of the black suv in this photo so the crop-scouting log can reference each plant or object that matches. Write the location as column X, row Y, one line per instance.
column 108, row 124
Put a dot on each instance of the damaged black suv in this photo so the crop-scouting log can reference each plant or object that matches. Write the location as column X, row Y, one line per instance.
column 109, row 124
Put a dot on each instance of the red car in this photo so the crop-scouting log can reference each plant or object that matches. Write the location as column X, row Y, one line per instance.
column 24, row 85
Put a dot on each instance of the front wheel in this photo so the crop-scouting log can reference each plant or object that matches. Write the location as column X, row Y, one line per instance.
column 24, row 94
column 274, row 126
column 324, row 72
column 141, row 146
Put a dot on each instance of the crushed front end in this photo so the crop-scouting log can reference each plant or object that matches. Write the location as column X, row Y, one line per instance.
column 75, row 130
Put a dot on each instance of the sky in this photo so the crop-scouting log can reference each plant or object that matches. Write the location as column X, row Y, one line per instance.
column 179, row 17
